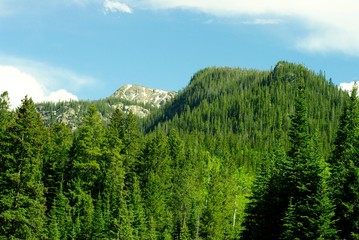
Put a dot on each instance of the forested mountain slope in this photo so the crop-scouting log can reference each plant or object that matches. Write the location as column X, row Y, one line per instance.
column 237, row 154
column 248, row 107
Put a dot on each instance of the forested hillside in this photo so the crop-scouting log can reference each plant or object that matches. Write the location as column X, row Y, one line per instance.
column 237, row 154
column 247, row 108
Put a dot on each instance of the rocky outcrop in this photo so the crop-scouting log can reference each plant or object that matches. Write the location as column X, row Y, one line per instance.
column 144, row 95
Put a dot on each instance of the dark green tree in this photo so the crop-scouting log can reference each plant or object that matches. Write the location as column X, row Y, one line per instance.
column 60, row 221
column 309, row 212
column 87, row 154
column 345, row 168
column 22, row 202
column 56, row 161
column 137, row 207
column 157, row 188
column 87, row 173
column 269, row 199
column 116, row 195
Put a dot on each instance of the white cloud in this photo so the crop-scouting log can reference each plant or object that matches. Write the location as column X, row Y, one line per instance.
column 60, row 95
column 329, row 25
column 115, row 6
column 19, row 84
column 347, row 86
column 49, row 76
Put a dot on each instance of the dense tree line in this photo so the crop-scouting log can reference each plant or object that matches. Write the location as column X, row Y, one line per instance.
column 111, row 182
column 239, row 154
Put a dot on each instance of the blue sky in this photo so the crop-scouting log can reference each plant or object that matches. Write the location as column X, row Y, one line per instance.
column 86, row 49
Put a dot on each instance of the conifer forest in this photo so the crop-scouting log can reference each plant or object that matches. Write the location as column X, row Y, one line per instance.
column 237, row 154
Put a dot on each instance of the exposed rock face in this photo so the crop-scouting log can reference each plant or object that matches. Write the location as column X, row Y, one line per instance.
column 143, row 95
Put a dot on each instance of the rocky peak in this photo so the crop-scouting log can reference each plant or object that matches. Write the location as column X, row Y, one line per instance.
column 144, row 95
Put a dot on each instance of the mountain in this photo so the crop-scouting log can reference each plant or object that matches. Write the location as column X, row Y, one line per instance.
column 251, row 106
column 144, row 95
column 129, row 98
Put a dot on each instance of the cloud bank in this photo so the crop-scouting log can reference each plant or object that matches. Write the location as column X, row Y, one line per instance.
column 19, row 84
column 328, row 25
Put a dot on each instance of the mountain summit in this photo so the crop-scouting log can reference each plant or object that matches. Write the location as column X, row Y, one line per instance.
column 143, row 95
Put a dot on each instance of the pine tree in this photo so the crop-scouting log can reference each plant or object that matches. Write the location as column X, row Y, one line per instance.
column 137, row 207
column 56, row 161
column 87, row 173
column 60, row 221
column 269, row 199
column 345, row 165
column 157, row 180
column 22, row 202
column 307, row 213
column 99, row 223
column 88, row 162
column 83, row 210
column 120, row 218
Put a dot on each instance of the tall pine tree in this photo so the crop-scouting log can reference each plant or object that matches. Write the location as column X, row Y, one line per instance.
column 345, row 165
column 309, row 213
column 22, row 201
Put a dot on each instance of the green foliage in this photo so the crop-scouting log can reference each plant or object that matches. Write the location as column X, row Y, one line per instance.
column 296, row 190
column 250, row 106
column 60, row 221
column 345, row 165
column 186, row 172
column 22, row 202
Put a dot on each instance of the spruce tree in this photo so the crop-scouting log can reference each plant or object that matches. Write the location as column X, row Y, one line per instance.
column 157, row 185
column 307, row 213
column 87, row 154
column 87, row 173
column 22, row 202
column 119, row 217
column 60, row 221
column 269, row 199
column 56, row 161
column 345, row 165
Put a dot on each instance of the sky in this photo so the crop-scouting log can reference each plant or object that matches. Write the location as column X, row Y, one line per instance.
column 87, row 49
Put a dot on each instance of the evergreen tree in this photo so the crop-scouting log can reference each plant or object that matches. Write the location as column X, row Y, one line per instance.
column 269, row 199
column 158, row 186
column 87, row 173
column 60, row 221
column 307, row 212
column 345, row 165
column 88, row 162
column 137, row 207
column 120, row 217
column 22, row 202
column 56, row 161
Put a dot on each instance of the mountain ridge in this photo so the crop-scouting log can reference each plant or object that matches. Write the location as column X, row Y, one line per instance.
column 133, row 98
